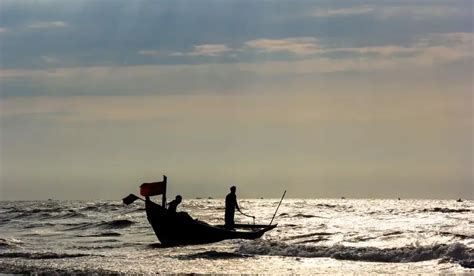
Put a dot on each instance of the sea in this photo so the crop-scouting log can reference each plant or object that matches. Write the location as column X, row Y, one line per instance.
column 314, row 236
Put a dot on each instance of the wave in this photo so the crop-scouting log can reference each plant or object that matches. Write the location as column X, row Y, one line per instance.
column 212, row 255
column 80, row 226
column 101, row 207
column 447, row 210
column 457, row 235
column 69, row 214
column 300, row 215
column 316, row 240
column 361, row 239
column 38, row 225
column 394, row 233
column 114, row 224
column 96, row 247
column 304, row 216
column 44, row 213
column 90, row 208
column 37, row 214
column 138, row 210
column 104, row 234
column 41, row 255
column 308, row 235
column 32, row 269
column 326, row 205
column 9, row 243
column 447, row 252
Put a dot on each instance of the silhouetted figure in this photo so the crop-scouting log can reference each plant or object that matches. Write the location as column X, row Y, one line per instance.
column 459, row 200
column 230, row 206
column 174, row 204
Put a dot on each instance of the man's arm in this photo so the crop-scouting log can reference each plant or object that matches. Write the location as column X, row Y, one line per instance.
column 236, row 205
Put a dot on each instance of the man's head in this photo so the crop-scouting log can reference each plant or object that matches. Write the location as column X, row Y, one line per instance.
column 178, row 198
column 232, row 189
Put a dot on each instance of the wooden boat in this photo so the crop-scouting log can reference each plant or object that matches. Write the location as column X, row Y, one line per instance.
column 181, row 229
column 245, row 226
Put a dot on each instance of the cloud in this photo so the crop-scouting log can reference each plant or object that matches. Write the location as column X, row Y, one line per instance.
column 385, row 51
column 449, row 45
column 342, row 11
column 48, row 24
column 435, row 48
column 206, row 50
column 429, row 53
column 444, row 47
column 211, row 49
column 384, row 12
column 149, row 52
column 294, row 45
column 448, row 39
column 3, row 30
column 100, row 35
column 418, row 11
column 50, row 59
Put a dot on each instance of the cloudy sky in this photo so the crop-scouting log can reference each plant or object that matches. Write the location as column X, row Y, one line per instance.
column 366, row 99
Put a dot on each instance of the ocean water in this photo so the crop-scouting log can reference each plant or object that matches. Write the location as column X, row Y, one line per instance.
column 313, row 236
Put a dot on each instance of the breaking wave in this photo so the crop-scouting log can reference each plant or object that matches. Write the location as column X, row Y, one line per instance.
column 393, row 233
column 448, row 252
column 308, row 235
column 40, row 255
column 212, row 255
column 9, row 243
column 447, row 210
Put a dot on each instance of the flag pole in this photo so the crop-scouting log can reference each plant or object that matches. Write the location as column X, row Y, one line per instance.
column 163, row 197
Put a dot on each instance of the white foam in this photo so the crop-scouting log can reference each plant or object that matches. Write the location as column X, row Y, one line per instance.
column 456, row 251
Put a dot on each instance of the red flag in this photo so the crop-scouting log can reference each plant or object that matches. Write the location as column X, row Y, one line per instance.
column 152, row 189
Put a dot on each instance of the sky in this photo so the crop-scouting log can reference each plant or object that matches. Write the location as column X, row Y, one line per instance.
column 361, row 99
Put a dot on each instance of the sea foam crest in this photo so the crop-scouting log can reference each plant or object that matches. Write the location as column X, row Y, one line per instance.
column 454, row 252
column 41, row 255
column 9, row 243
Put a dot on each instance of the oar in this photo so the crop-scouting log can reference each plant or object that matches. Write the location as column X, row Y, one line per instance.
column 130, row 199
column 248, row 216
column 277, row 208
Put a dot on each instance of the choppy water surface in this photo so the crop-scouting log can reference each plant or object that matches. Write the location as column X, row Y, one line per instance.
column 313, row 236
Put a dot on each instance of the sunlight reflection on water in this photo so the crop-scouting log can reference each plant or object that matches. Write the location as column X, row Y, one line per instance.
column 324, row 235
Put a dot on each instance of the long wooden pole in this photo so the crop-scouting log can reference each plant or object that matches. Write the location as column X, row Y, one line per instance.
column 277, row 208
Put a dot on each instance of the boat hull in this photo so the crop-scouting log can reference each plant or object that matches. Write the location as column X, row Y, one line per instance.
column 181, row 229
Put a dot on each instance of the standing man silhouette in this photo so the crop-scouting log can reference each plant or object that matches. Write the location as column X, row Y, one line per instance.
column 230, row 206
